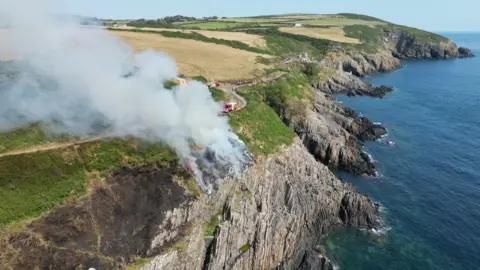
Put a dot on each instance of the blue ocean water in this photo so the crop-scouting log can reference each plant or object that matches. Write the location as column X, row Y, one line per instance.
column 429, row 186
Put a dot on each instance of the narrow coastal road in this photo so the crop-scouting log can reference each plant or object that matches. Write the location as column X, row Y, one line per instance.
column 232, row 89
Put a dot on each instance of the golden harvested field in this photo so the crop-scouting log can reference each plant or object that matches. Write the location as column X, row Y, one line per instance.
column 214, row 61
column 252, row 40
column 333, row 33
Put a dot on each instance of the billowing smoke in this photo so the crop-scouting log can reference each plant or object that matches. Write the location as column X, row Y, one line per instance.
column 72, row 76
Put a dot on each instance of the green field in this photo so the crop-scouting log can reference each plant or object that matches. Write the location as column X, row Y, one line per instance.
column 211, row 25
column 257, row 20
column 336, row 22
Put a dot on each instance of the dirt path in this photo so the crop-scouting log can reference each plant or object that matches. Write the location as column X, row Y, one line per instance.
column 51, row 146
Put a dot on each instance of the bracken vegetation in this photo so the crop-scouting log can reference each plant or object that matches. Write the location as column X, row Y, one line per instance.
column 420, row 35
column 25, row 137
column 359, row 17
column 369, row 36
column 281, row 43
column 260, row 127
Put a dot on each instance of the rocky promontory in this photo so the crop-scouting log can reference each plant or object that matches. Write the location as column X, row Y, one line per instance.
column 333, row 133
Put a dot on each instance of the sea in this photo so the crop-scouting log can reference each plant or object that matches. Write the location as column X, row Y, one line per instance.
column 429, row 169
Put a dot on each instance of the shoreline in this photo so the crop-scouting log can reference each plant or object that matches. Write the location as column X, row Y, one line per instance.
column 349, row 79
column 382, row 228
column 400, row 112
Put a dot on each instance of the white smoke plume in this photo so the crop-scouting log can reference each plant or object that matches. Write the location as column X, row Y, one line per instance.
column 77, row 83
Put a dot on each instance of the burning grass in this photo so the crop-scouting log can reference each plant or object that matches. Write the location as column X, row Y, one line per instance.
column 199, row 58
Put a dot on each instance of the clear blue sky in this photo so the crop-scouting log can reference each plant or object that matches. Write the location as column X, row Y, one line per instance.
column 432, row 15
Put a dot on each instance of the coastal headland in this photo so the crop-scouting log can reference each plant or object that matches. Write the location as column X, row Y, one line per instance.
column 126, row 203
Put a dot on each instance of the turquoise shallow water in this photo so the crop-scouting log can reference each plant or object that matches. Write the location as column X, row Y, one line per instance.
column 430, row 180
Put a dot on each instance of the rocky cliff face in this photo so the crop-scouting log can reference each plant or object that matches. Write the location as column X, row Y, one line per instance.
column 273, row 217
column 333, row 133
column 405, row 45
column 352, row 65
column 276, row 216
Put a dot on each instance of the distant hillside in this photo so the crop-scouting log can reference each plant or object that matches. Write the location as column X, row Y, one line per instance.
column 290, row 34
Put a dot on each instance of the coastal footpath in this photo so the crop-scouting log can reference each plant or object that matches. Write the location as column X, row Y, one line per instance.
column 144, row 215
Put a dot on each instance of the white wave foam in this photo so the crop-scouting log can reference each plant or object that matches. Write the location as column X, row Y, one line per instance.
column 381, row 231
column 383, row 227
column 370, row 157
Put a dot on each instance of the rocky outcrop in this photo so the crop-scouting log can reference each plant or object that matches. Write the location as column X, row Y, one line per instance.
column 362, row 127
column 421, row 45
column 360, row 63
column 332, row 134
column 315, row 260
column 343, row 82
column 465, row 53
column 348, row 68
column 273, row 217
